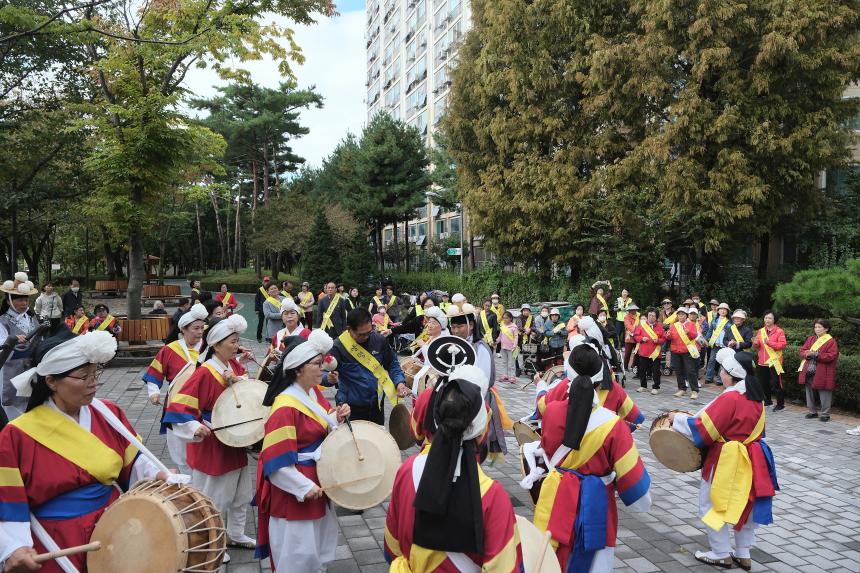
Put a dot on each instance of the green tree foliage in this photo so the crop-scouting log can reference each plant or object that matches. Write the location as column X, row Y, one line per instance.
column 835, row 290
column 671, row 127
column 358, row 263
column 321, row 258
column 444, row 173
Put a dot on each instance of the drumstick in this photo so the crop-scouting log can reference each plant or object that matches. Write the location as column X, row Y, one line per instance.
column 42, row 557
column 350, row 482
column 233, row 425
column 233, row 388
column 542, row 553
column 354, row 441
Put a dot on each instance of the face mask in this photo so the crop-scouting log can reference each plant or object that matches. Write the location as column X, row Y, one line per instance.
column 75, row 289
column 544, row 314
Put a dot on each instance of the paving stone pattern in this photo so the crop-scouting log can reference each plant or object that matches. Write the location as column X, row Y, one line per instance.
column 816, row 514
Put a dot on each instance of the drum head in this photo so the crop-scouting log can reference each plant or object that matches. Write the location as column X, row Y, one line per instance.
column 180, row 380
column 399, row 426
column 358, row 484
column 524, row 433
column 553, row 374
column 250, row 394
column 532, row 540
column 672, row 449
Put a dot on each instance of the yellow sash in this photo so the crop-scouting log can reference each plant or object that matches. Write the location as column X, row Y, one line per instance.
column 602, row 302
column 195, row 290
column 285, row 400
column 814, row 348
column 488, row 332
column 653, row 335
column 671, row 318
column 774, row 357
column 558, row 328
column 732, row 479
column 413, row 346
column 498, row 311
column 305, row 297
column 79, row 324
column 622, row 309
column 384, row 326
column 507, row 332
column 285, row 294
column 219, row 376
column 710, row 316
column 444, row 306
column 273, row 301
column 377, row 300
column 69, row 440
column 526, row 326
column 228, row 296
column 691, row 348
column 419, row 310
column 326, row 320
column 366, row 359
column 736, row 333
column 718, row 331
column 106, row 322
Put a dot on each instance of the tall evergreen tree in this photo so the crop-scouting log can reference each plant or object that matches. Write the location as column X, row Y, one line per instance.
column 321, row 258
column 357, row 261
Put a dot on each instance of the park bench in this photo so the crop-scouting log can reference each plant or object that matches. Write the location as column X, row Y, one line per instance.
column 163, row 293
column 109, row 288
column 144, row 332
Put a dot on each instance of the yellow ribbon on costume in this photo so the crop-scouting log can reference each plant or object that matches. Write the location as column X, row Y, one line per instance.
column 305, row 297
column 509, row 334
column 69, row 440
column 498, row 310
column 691, row 347
column 653, row 336
column 106, row 322
column 671, row 318
column 732, row 479
column 228, row 296
column 326, row 319
column 718, row 331
column 736, row 334
column 526, row 327
column 366, row 359
column 602, row 302
column 506, row 421
column 822, row 340
column 774, row 357
column 384, row 326
column 488, row 332
column 273, row 301
column 79, row 324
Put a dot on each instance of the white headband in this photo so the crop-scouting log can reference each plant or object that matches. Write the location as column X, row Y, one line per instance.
column 288, row 305
column 196, row 312
column 317, row 343
column 436, row 314
column 231, row 325
column 95, row 347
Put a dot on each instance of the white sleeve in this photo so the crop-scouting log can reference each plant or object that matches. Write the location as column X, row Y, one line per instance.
column 152, row 389
column 641, row 505
column 13, row 536
column 143, row 468
column 681, row 426
column 292, row 481
column 185, row 431
column 483, row 360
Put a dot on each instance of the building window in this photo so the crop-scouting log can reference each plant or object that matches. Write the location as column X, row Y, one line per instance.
column 389, row 235
column 441, row 228
column 454, row 223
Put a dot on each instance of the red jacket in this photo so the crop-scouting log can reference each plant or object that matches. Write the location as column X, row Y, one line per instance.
column 676, row 345
column 775, row 339
column 825, row 369
column 646, row 343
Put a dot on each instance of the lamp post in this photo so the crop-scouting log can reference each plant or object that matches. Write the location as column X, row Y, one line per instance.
column 460, row 208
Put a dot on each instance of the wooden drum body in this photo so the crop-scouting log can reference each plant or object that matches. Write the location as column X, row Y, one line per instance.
column 410, row 366
column 159, row 528
column 672, row 449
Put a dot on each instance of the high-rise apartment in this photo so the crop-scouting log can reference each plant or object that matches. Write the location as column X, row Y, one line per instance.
column 411, row 47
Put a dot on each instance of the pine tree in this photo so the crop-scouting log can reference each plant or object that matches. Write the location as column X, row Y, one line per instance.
column 357, row 259
column 321, row 259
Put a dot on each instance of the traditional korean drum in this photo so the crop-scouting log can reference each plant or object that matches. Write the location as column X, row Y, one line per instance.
column 538, row 554
column 526, row 432
column 356, row 468
column 672, row 449
column 410, row 366
column 180, row 380
column 265, row 375
column 240, row 408
column 158, row 528
column 553, row 374
column 399, row 426
column 427, row 380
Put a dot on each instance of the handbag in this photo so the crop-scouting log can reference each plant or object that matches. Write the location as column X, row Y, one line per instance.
column 810, row 369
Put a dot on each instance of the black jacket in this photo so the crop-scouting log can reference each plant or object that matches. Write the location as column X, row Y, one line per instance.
column 70, row 301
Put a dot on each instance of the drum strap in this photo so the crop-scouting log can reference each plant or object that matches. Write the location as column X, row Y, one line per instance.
column 48, row 542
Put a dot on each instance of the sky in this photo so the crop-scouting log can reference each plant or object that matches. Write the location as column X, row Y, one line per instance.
column 334, row 63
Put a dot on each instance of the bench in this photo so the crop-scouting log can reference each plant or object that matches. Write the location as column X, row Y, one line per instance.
column 163, row 293
column 109, row 288
column 143, row 331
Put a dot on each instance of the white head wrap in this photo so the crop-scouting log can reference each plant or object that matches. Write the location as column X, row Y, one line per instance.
column 726, row 359
column 476, row 376
column 196, row 312
column 436, row 314
column 230, row 325
column 288, row 304
column 317, row 343
column 96, row 347
column 458, row 298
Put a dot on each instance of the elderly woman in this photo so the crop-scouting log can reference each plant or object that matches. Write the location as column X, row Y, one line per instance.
column 457, row 524
column 61, row 459
column 77, row 321
column 297, row 524
column 818, row 368
column 739, row 473
column 227, row 299
column 158, row 308
column 770, row 342
column 272, row 311
column 290, row 318
column 49, row 304
column 219, row 471
column 174, row 358
column 17, row 320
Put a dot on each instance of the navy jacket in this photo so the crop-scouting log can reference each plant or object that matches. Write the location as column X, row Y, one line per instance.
column 357, row 386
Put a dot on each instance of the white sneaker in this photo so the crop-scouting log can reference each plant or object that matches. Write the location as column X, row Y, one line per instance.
column 853, row 431
column 679, row 393
column 655, row 391
column 226, row 558
column 694, row 395
column 640, row 389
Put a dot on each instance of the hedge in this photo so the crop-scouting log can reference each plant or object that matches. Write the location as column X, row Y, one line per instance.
column 245, row 281
column 847, row 394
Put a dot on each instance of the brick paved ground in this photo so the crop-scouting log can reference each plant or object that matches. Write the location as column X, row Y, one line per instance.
column 816, row 514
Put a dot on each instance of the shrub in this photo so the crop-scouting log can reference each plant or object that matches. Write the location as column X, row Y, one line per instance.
column 847, row 393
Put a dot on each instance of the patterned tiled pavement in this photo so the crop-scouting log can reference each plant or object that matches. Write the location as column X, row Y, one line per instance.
column 816, row 514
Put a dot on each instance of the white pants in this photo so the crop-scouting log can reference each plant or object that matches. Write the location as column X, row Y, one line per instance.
column 303, row 546
column 178, row 452
column 720, row 541
column 231, row 493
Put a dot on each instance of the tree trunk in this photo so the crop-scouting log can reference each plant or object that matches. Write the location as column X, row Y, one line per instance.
column 396, row 249
column 136, row 270
column 236, row 233
column 201, row 262
column 406, row 243
column 110, row 270
column 265, row 174
column 227, row 234
column 220, row 231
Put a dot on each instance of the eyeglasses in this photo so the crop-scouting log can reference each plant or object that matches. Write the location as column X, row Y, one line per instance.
column 317, row 363
column 94, row 376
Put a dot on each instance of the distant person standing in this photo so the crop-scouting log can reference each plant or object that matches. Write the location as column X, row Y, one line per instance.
column 72, row 298
column 259, row 298
column 184, row 305
column 818, row 369
column 49, row 304
column 272, row 312
column 332, row 311
column 226, row 298
column 306, row 303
